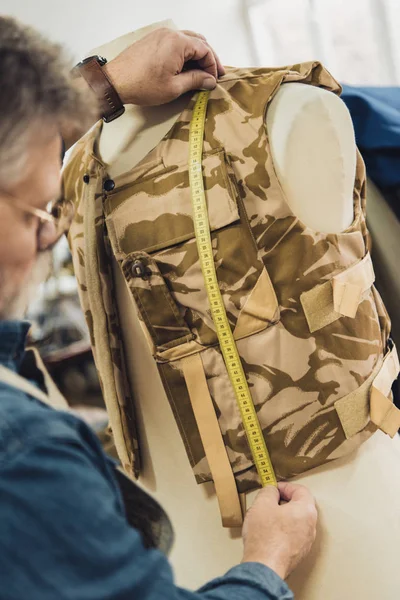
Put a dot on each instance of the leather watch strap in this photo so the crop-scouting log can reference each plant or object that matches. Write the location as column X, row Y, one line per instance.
column 97, row 78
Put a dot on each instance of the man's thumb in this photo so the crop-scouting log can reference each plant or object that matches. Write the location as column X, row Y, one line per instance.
column 196, row 79
column 268, row 494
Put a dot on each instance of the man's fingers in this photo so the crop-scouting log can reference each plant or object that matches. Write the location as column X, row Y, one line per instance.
column 220, row 67
column 194, row 79
column 199, row 51
column 269, row 494
column 194, row 34
column 293, row 492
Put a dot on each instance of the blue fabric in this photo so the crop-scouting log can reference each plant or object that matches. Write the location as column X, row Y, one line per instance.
column 63, row 531
column 375, row 112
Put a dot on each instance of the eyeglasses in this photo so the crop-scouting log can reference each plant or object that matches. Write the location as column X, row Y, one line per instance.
column 52, row 225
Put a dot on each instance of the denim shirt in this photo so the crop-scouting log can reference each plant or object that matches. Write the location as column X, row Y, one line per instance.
column 63, row 529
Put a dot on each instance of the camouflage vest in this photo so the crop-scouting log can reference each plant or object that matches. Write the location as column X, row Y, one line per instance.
column 310, row 327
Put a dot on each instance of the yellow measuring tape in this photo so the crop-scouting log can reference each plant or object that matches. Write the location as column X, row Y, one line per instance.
column 226, row 340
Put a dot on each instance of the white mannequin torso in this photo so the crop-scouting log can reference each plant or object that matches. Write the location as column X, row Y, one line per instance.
column 312, row 144
column 313, row 148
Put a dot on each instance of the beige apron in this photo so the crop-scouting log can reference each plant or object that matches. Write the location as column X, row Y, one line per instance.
column 52, row 398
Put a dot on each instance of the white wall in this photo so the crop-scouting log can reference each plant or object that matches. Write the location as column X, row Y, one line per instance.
column 357, row 40
column 85, row 24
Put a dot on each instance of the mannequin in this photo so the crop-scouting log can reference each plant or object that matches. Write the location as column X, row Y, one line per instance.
column 356, row 551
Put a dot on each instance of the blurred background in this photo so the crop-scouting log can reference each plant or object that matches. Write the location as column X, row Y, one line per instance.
column 358, row 42
column 356, row 39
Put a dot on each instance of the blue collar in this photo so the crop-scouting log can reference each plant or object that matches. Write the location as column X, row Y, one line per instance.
column 12, row 342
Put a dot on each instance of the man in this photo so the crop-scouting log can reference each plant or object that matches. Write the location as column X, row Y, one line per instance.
column 63, row 529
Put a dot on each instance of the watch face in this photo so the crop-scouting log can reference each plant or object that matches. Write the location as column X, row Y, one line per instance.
column 100, row 59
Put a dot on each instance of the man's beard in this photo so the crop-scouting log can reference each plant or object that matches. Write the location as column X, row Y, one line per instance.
column 15, row 302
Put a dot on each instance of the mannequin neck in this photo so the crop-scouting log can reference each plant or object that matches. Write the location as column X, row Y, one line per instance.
column 125, row 141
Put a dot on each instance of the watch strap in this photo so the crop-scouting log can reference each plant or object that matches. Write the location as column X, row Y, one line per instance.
column 98, row 80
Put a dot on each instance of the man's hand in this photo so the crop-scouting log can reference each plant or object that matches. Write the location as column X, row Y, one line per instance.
column 280, row 535
column 162, row 66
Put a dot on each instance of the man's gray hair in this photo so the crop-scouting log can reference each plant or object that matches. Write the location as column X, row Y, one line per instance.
column 36, row 95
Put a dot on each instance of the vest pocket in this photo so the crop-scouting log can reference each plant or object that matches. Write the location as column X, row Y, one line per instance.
column 155, row 212
column 150, row 221
column 157, row 308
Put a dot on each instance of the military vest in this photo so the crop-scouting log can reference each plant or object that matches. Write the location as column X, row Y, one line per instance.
column 310, row 327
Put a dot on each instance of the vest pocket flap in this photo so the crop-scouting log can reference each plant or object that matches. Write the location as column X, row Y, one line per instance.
column 340, row 296
column 155, row 212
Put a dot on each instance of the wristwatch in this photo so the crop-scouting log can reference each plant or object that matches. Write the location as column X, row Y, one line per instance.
column 96, row 77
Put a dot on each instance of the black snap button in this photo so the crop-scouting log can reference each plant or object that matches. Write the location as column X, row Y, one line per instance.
column 109, row 185
column 86, row 179
column 139, row 269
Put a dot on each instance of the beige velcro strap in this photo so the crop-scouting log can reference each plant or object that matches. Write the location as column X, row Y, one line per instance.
column 211, row 437
column 353, row 409
column 371, row 401
column 350, row 285
column 384, row 413
column 338, row 297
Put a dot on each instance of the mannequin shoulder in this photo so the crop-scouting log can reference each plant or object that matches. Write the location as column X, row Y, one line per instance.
column 312, row 143
column 299, row 107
